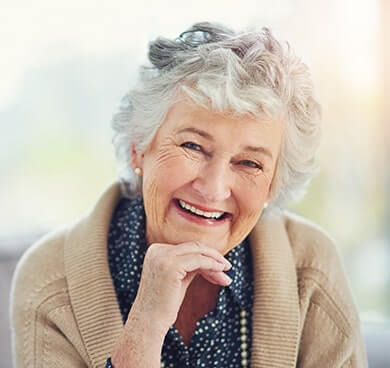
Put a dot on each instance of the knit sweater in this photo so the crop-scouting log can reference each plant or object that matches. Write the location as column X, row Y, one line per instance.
column 216, row 339
column 65, row 312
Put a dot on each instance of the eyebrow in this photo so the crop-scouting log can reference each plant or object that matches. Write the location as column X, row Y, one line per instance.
column 202, row 133
column 263, row 150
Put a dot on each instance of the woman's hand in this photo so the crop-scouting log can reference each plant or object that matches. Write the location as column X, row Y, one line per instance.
column 167, row 272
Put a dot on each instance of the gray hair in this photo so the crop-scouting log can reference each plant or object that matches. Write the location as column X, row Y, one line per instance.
column 243, row 73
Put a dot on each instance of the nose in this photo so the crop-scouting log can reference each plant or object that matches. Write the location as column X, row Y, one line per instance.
column 213, row 181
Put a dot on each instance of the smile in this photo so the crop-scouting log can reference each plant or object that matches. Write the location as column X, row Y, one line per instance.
column 197, row 211
column 210, row 215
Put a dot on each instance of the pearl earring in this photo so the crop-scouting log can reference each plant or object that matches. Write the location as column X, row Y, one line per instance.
column 265, row 205
column 138, row 171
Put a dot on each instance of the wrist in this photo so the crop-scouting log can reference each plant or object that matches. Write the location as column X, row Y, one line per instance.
column 153, row 325
column 141, row 342
column 151, row 331
column 138, row 346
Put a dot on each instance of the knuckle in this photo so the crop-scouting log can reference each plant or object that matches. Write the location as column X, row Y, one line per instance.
column 153, row 251
column 205, row 262
column 197, row 244
column 151, row 257
column 163, row 264
column 158, row 260
column 152, row 248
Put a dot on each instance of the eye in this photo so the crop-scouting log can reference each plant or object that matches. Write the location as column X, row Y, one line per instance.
column 192, row 146
column 251, row 164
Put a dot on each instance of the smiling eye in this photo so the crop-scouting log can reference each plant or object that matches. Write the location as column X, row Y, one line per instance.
column 192, row 146
column 251, row 164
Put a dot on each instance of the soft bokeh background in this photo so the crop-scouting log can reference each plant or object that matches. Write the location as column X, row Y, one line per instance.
column 65, row 65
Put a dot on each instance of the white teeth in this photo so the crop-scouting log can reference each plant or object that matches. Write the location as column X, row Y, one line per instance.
column 197, row 211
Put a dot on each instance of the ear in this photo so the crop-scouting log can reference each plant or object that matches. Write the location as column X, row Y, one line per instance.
column 137, row 158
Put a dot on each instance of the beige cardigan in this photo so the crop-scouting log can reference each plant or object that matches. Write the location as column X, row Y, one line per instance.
column 65, row 313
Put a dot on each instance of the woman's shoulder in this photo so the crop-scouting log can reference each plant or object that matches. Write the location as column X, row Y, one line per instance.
column 322, row 282
column 311, row 245
column 316, row 257
column 40, row 275
column 41, row 266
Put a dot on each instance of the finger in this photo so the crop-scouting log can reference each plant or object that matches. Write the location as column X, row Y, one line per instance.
column 196, row 262
column 161, row 249
column 198, row 247
column 217, row 278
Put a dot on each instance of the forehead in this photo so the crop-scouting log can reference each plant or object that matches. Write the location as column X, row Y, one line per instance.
column 245, row 129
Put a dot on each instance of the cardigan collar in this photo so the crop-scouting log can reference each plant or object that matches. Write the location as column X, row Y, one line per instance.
column 276, row 313
column 94, row 303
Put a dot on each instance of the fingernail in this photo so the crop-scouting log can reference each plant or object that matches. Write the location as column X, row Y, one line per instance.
column 221, row 266
column 228, row 264
column 227, row 278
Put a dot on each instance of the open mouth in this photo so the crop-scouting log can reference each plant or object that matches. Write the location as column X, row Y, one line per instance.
column 194, row 211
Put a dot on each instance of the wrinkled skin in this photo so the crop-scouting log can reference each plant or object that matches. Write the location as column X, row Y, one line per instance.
column 218, row 163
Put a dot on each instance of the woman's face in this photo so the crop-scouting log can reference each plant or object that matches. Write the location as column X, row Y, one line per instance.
column 206, row 176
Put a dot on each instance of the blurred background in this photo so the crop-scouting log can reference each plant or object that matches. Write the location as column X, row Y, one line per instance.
column 65, row 66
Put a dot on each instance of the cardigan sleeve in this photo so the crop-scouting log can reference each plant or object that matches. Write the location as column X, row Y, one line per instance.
column 330, row 336
column 325, row 344
column 43, row 335
column 44, row 331
column 330, row 323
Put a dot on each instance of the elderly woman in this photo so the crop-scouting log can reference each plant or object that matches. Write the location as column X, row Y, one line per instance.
column 193, row 261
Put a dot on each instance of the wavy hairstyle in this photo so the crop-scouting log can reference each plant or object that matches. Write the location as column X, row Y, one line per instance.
column 243, row 73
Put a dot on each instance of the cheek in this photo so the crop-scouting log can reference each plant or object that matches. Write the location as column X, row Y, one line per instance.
column 251, row 194
column 250, row 207
column 251, row 199
column 165, row 174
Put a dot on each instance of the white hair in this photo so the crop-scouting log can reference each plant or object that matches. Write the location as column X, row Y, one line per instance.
column 243, row 73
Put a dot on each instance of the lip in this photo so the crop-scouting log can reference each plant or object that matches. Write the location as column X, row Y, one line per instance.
column 200, row 220
column 202, row 208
